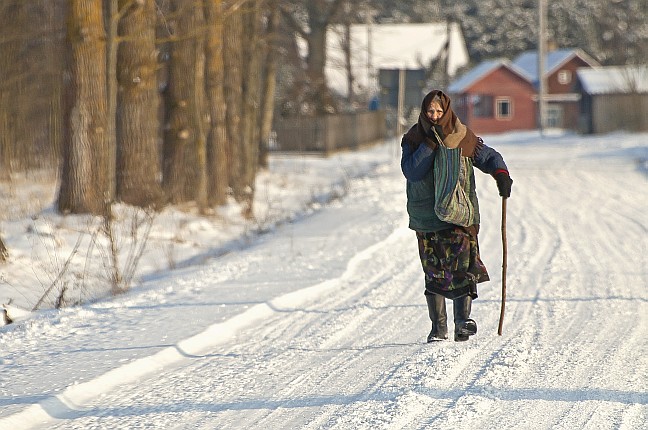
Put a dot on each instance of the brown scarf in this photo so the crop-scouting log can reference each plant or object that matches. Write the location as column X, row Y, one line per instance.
column 453, row 133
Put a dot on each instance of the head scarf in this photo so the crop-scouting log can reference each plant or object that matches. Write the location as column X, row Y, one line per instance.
column 453, row 133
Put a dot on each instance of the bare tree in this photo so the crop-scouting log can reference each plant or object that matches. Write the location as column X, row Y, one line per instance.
column 242, row 90
column 269, row 79
column 184, row 141
column 122, row 140
column 138, row 164
column 317, row 16
column 217, row 151
column 31, row 67
column 85, row 183
column 251, row 100
column 233, row 91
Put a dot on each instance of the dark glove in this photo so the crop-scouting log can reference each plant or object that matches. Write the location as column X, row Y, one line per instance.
column 504, row 183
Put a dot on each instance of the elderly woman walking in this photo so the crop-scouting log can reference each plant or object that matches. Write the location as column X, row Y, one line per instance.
column 448, row 244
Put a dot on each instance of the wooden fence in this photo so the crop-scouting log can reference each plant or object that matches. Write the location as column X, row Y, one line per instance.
column 328, row 133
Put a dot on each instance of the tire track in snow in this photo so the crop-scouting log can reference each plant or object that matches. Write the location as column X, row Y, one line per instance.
column 287, row 305
column 341, row 316
column 545, row 321
column 360, row 312
column 594, row 330
column 389, row 379
column 75, row 397
column 559, row 325
column 541, row 319
column 454, row 376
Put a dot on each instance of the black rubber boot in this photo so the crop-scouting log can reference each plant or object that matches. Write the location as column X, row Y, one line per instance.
column 464, row 326
column 437, row 311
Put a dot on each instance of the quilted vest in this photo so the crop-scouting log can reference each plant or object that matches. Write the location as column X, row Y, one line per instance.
column 420, row 202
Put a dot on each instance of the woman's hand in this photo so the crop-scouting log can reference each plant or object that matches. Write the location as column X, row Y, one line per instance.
column 504, row 183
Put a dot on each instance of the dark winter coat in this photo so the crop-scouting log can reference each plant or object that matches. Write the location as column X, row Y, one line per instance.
column 417, row 168
column 419, row 150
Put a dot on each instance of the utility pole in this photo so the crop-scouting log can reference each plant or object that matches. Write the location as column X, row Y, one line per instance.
column 371, row 76
column 401, row 102
column 542, row 49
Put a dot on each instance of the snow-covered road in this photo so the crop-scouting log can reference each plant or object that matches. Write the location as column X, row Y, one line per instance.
column 321, row 324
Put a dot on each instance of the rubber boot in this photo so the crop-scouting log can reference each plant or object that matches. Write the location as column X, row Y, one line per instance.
column 437, row 311
column 464, row 326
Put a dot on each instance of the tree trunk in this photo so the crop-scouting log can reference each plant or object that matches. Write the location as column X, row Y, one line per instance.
column 31, row 71
column 233, row 91
column 316, row 39
column 84, row 180
column 217, row 154
column 200, row 114
column 184, row 140
column 320, row 96
column 112, row 46
column 3, row 251
column 138, row 154
column 346, row 48
column 251, row 102
column 269, row 83
column 318, row 16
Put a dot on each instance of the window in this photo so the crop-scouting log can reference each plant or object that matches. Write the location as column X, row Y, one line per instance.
column 504, row 108
column 482, row 106
column 461, row 106
column 564, row 77
column 554, row 118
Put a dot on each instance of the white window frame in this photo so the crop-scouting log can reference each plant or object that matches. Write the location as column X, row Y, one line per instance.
column 499, row 101
column 564, row 77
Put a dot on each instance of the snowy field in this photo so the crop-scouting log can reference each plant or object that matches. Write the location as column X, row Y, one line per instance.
column 312, row 316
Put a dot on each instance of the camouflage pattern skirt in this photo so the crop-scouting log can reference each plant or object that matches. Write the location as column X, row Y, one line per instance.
column 451, row 263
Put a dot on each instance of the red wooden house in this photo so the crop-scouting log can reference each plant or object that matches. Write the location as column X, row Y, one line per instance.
column 494, row 97
column 498, row 96
column 562, row 97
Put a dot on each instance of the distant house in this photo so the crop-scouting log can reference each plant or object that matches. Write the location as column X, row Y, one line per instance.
column 501, row 95
column 390, row 46
column 613, row 98
column 560, row 74
column 494, row 97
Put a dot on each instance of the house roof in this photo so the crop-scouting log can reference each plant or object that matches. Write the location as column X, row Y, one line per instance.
column 392, row 46
column 481, row 71
column 528, row 61
column 614, row 80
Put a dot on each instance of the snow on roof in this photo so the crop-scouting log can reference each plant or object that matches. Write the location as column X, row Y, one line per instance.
column 479, row 72
column 528, row 61
column 393, row 46
column 614, row 80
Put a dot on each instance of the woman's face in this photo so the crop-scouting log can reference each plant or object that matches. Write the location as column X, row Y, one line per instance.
column 434, row 112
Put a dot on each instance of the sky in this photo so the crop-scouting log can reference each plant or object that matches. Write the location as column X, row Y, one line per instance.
column 312, row 315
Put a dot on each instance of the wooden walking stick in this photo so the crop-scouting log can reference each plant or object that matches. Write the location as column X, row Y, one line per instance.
column 504, row 256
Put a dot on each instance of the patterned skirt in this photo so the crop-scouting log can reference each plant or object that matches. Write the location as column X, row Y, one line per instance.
column 451, row 263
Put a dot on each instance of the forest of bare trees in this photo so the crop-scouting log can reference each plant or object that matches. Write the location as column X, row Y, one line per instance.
column 155, row 102
column 146, row 102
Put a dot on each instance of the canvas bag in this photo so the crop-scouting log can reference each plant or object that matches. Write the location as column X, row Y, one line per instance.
column 451, row 202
